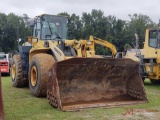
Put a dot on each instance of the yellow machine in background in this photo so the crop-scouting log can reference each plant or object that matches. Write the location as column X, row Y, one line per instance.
column 151, row 56
column 70, row 73
column 148, row 57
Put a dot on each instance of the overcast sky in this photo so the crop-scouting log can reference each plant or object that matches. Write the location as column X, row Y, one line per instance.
column 118, row 8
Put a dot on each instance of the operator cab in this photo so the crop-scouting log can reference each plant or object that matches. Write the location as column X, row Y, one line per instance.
column 50, row 27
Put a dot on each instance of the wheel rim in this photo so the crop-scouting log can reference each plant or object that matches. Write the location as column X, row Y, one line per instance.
column 13, row 71
column 34, row 76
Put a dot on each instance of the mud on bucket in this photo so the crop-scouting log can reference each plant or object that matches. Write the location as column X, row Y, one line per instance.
column 80, row 83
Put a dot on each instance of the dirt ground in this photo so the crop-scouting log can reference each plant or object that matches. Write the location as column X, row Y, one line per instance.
column 138, row 114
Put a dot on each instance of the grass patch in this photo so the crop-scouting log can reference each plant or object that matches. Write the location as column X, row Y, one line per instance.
column 19, row 104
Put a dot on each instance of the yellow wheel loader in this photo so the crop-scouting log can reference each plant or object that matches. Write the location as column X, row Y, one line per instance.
column 70, row 73
column 149, row 56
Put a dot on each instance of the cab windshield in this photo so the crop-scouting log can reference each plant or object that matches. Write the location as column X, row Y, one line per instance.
column 154, row 38
column 53, row 27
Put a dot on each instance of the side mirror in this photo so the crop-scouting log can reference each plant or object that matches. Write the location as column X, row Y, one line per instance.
column 31, row 23
column 32, row 40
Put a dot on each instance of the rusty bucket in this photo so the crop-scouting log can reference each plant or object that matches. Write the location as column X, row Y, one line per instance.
column 80, row 83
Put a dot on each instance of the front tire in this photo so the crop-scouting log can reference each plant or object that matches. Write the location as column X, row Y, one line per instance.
column 38, row 74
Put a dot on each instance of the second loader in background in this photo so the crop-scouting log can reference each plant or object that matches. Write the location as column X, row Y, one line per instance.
column 70, row 73
column 148, row 57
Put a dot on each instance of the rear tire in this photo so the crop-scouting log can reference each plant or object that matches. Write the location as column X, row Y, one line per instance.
column 16, row 72
column 38, row 74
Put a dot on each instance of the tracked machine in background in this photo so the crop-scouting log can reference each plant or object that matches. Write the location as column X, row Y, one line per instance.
column 70, row 73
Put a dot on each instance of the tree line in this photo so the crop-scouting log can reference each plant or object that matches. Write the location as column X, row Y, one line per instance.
column 119, row 32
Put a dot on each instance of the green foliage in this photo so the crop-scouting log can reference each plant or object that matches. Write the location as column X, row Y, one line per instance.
column 127, row 46
column 101, row 50
column 138, row 24
column 12, row 27
column 94, row 23
column 118, row 32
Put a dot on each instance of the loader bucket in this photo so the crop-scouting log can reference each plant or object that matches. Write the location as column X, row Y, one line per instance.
column 1, row 102
column 80, row 83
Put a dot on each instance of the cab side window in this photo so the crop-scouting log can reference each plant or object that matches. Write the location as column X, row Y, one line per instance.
column 37, row 29
column 153, row 41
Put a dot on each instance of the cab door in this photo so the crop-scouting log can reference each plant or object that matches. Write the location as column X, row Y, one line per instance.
column 151, row 43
